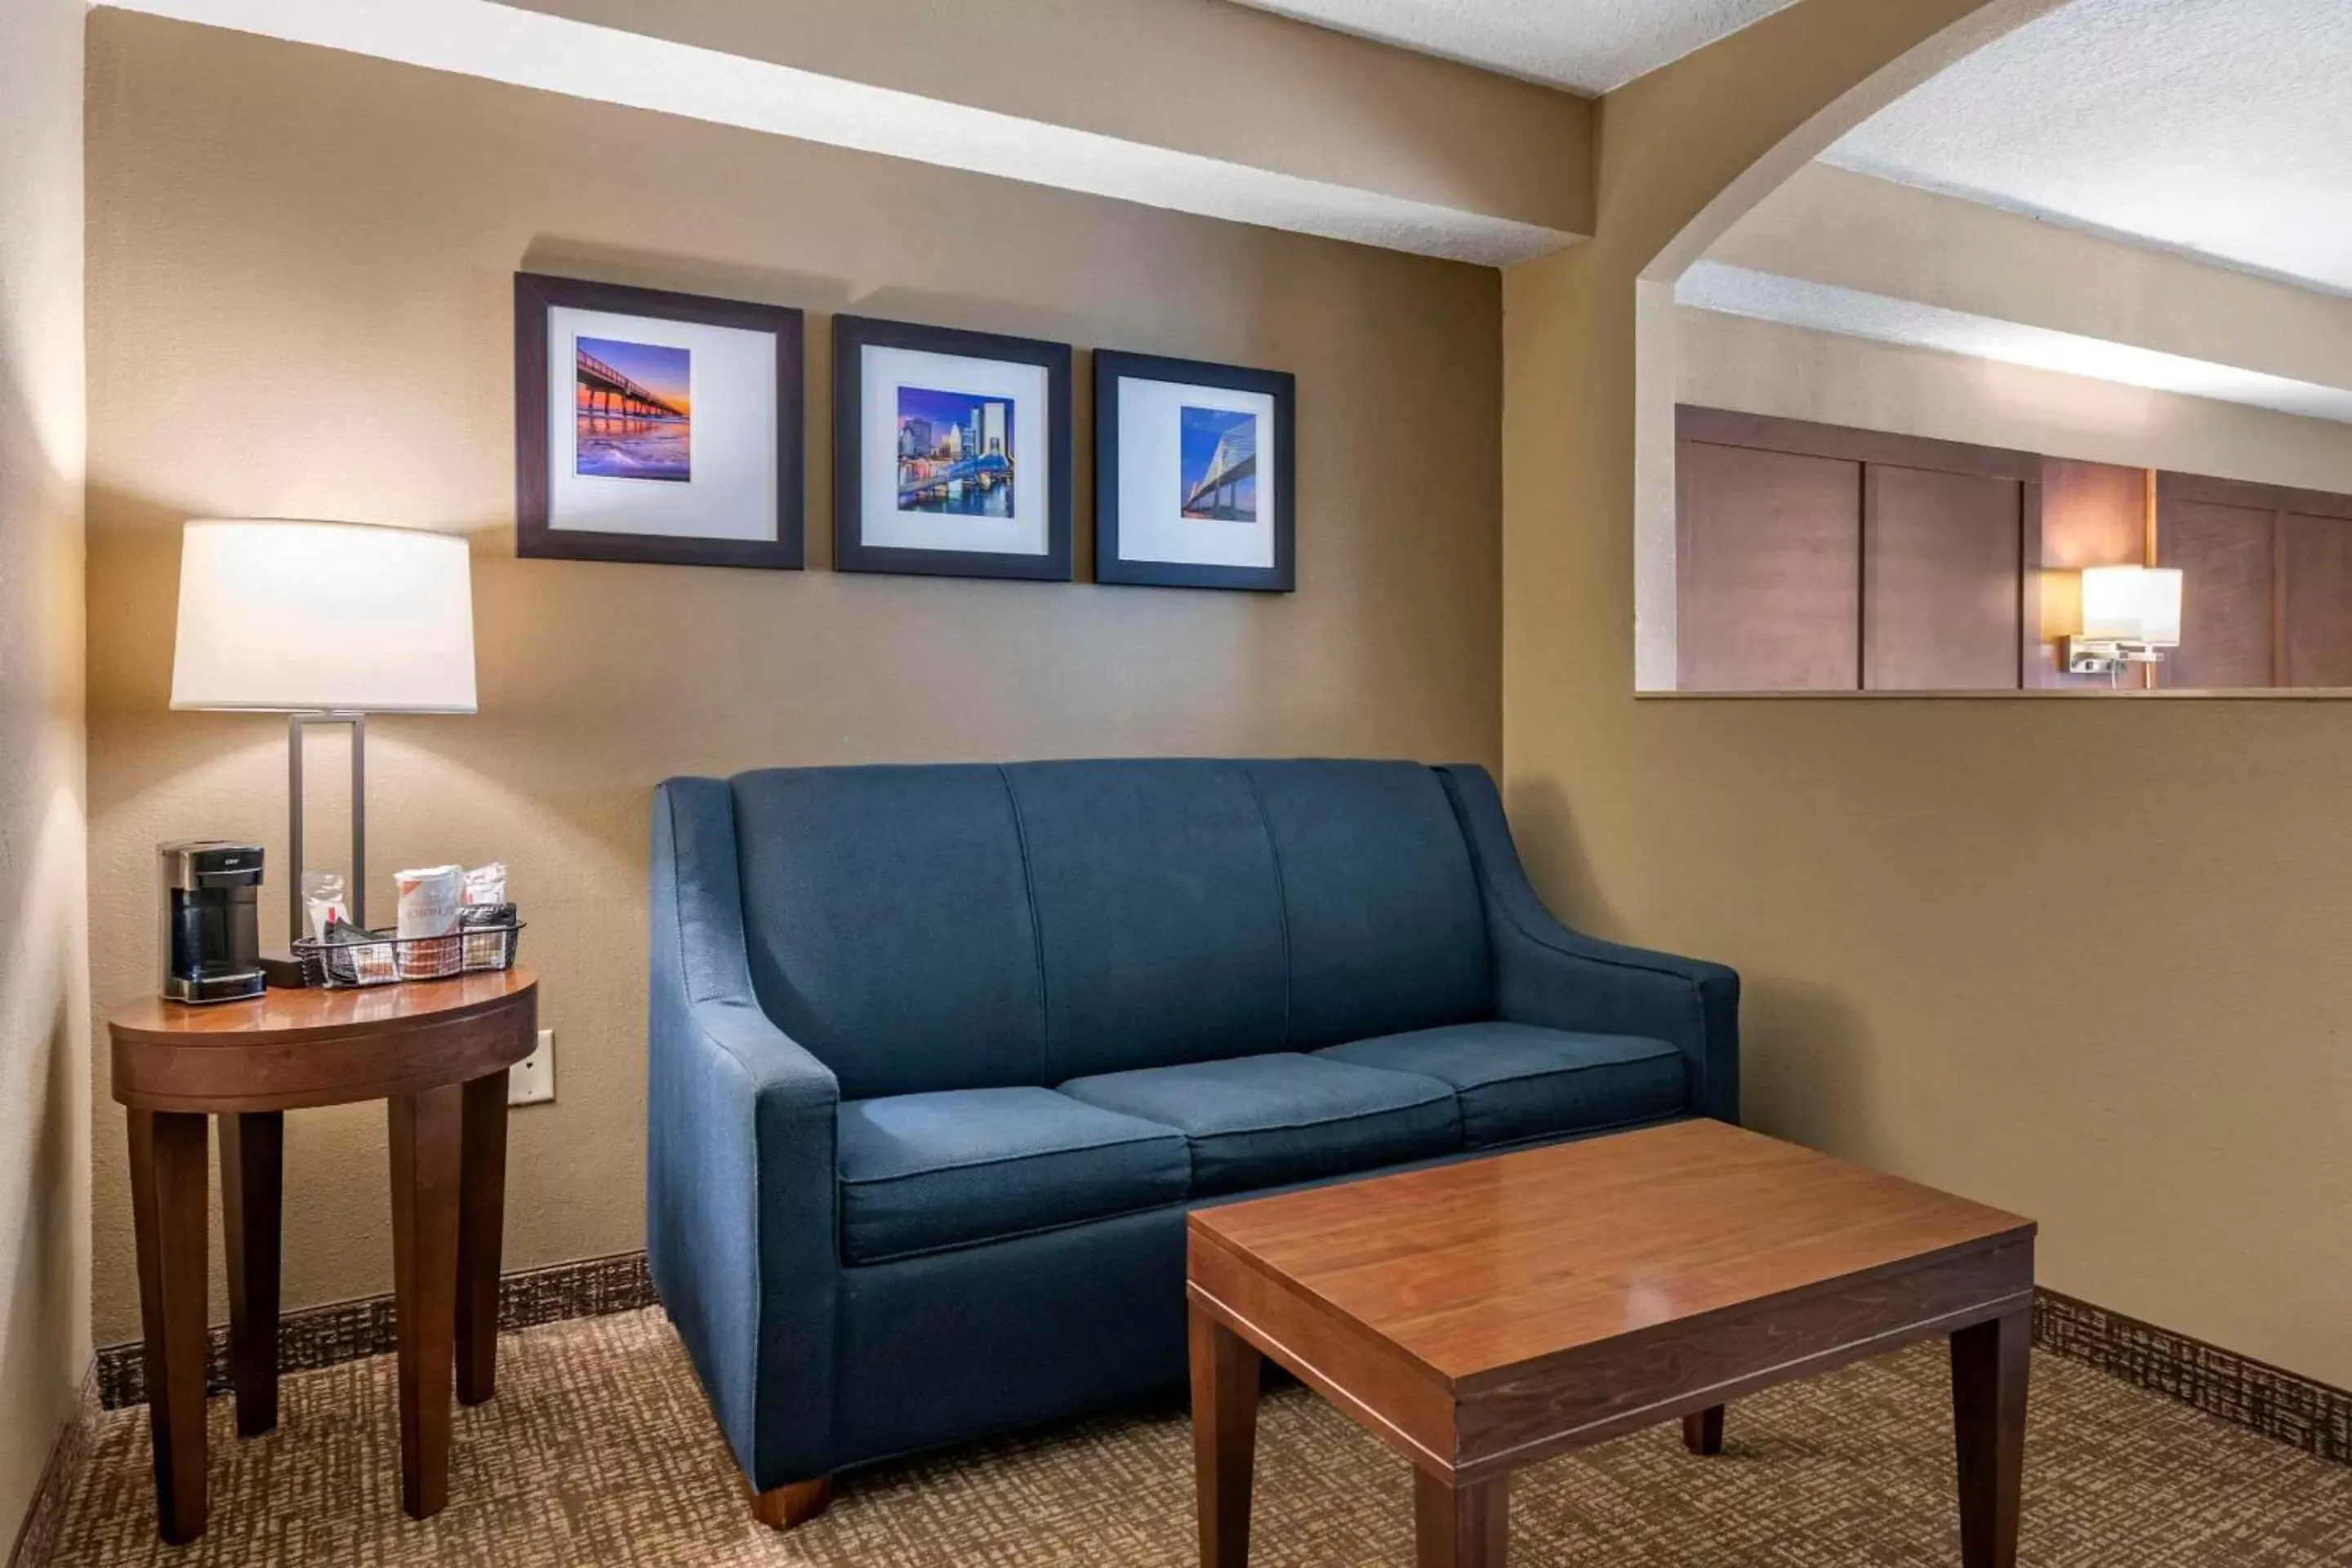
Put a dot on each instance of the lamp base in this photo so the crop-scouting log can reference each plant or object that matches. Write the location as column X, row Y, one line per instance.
column 284, row 971
column 2106, row 656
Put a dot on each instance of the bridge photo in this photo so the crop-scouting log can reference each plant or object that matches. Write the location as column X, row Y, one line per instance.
column 1218, row 465
column 633, row 410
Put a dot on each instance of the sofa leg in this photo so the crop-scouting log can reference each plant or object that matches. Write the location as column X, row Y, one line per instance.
column 790, row 1506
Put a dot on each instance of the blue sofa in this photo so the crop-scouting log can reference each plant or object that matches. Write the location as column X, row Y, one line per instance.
column 940, row 1056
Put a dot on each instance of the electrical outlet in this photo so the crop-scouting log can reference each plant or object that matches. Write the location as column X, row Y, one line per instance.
column 532, row 1079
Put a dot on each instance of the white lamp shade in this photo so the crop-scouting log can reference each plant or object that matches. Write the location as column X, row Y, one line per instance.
column 300, row 616
column 2132, row 603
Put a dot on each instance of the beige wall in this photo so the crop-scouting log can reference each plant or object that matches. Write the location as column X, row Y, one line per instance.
column 44, row 1021
column 300, row 281
column 2083, row 959
column 1768, row 367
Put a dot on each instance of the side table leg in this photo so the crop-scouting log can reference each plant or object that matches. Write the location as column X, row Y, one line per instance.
column 167, row 1199
column 1461, row 1527
column 252, row 1158
column 426, row 1145
column 1991, row 1365
column 1703, row 1430
column 1225, row 1370
column 481, row 1226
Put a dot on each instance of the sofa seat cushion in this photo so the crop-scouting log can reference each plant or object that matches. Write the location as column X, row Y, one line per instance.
column 1258, row 1122
column 1515, row 1080
column 924, row 1171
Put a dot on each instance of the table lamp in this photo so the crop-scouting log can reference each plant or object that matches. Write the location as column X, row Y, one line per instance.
column 325, row 623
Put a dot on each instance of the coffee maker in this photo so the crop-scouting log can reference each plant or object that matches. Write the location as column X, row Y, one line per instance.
column 211, row 930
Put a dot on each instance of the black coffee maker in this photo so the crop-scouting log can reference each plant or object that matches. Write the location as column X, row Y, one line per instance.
column 212, row 929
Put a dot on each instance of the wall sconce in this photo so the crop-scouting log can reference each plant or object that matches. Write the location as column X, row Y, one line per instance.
column 2130, row 615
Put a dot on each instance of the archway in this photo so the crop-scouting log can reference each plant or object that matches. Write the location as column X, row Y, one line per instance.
column 1654, row 298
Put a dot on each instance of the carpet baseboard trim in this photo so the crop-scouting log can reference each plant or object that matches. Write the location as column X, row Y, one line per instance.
column 316, row 1337
column 2300, row 1411
column 2297, row 1410
column 44, row 1517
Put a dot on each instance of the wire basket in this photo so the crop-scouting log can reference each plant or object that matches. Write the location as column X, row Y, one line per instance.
column 388, row 961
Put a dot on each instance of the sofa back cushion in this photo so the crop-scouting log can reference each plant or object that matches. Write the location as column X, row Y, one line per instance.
column 1157, row 911
column 887, row 924
column 1386, row 930
column 964, row 927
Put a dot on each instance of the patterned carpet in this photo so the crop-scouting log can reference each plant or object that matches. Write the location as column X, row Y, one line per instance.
column 599, row 1450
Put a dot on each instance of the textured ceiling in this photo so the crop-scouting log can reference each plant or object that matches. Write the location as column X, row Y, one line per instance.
column 1585, row 45
column 2221, row 128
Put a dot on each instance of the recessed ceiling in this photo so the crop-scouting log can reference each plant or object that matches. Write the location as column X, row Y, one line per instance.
column 2218, row 128
column 1585, row 45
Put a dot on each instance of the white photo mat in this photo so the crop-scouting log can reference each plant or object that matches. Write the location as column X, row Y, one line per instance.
column 731, row 494
column 882, row 372
column 1152, row 522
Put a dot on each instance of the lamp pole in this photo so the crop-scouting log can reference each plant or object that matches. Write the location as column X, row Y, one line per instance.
column 295, row 724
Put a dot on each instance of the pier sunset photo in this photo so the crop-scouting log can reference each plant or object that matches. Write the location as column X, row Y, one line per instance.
column 955, row 452
column 633, row 411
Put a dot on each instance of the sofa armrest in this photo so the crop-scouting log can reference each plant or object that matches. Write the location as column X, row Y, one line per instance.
column 1548, row 974
column 740, row 1198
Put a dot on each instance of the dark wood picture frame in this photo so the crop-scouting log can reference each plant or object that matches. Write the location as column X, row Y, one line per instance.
column 535, row 294
column 851, row 336
column 1111, row 367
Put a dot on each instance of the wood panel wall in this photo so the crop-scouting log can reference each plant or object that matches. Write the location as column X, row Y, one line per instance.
column 1768, row 550
column 1822, row 558
column 1941, row 597
column 1819, row 558
column 2316, row 572
column 2228, row 627
column 2267, row 575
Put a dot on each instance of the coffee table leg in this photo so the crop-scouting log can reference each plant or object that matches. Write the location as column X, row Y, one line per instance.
column 1224, row 1439
column 426, row 1141
column 1461, row 1527
column 252, row 1157
column 1990, row 1365
column 167, row 1208
column 1703, row 1430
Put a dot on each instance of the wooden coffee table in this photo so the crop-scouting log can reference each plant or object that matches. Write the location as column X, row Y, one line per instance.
column 1482, row 1316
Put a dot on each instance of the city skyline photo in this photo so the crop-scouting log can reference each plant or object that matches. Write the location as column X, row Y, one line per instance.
column 955, row 452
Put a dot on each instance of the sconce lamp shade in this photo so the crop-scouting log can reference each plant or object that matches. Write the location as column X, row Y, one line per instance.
column 2159, row 606
column 2133, row 605
column 280, row 616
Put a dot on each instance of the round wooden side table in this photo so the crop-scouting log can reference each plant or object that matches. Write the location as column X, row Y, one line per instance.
column 436, row 1052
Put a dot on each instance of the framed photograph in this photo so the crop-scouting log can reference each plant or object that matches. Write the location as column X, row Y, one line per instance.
column 950, row 452
column 656, row 426
column 1193, row 474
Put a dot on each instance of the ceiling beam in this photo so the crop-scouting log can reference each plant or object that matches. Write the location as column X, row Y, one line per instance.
column 1202, row 108
column 1824, row 307
column 1828, row 224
